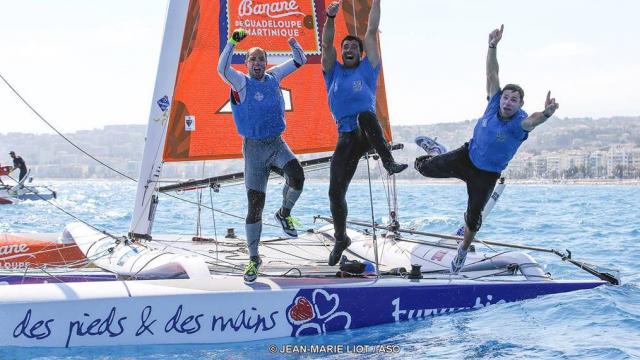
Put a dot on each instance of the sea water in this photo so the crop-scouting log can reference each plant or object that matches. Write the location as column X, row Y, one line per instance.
column 600, row 224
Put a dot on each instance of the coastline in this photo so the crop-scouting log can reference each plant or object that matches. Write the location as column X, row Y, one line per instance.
column 624, row 182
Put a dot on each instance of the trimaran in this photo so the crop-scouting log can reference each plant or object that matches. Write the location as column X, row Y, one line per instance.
column 184, row 289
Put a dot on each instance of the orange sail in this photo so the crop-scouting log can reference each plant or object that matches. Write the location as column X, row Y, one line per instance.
column 201, row 126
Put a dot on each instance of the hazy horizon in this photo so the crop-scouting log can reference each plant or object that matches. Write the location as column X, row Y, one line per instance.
column 84, row 65
column 102, row 126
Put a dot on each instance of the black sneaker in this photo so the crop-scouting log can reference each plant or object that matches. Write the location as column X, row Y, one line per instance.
column 420, row 160
column 251, row 270
column 394, row 167
column 338, row 248
column 288, row 224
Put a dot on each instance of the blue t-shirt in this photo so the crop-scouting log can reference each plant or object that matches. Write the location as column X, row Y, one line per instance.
column 351, row 91
column 261, row 114
column 496, row 141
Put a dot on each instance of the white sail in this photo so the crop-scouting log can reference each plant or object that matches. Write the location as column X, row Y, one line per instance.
column 151, row 165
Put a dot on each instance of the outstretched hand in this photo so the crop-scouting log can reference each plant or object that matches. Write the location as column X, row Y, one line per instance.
column 238, row 35
column 495, row 36
column 550, row 105
column 332, row 9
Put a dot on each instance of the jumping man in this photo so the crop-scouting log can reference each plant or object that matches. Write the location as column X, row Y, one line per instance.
column 496, row 138
column 258, row 111
column 351, row 87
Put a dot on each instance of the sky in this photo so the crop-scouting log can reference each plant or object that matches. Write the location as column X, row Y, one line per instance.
column 85, row 64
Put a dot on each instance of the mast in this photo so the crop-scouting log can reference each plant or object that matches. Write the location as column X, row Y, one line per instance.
column 151, row 166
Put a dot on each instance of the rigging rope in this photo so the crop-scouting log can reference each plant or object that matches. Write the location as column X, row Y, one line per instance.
column 213, row 217
column 75, row 217
column 59, row 133
column 198, row 203
column 373, row 221
column 87, row 154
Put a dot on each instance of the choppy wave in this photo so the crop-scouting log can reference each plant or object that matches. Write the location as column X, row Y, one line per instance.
column 600, row 224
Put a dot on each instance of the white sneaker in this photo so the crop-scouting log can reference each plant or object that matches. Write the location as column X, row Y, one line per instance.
column 431, row 146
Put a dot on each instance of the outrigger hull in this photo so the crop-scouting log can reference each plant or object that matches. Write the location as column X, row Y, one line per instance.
column 22, row 192
column 28, row 251
column 7, row 199
column 223, row 309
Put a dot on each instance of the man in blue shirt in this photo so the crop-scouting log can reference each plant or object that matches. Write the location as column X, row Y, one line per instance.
column 351, row 89
column 500, row 131
column 258, row 111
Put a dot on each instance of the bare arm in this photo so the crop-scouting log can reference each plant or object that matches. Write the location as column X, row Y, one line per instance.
column 286, row 68
column 493, row 80
column 328, row 57
column 537, row 118
column 370, row 39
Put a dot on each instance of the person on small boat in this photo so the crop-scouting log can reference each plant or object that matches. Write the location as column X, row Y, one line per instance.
column 18, row 163
column 498, row 134
column 258, row 111
column 351, row 87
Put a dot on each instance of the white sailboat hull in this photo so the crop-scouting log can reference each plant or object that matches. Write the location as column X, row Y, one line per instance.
column 223, row 309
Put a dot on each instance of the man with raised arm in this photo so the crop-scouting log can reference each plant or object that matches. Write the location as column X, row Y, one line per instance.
column 258, row 111
column 351, row 87
column 496, row 138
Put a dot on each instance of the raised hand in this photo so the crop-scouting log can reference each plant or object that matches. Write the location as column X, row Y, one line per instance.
column 332, row 9
column 298, row 54
column 238, row 35
column 550, row 105
column 495, row 36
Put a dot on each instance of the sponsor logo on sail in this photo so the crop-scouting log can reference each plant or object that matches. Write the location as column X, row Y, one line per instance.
column 273, row 10
column 270, row 24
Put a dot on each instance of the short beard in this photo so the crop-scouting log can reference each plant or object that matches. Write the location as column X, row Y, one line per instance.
column 356, row 63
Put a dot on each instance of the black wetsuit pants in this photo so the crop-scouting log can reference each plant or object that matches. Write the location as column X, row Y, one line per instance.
column 457, row 164
column 350, row 148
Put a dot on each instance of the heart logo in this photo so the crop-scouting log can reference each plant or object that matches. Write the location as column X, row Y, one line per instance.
column 301, row 311
column 325, row 303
